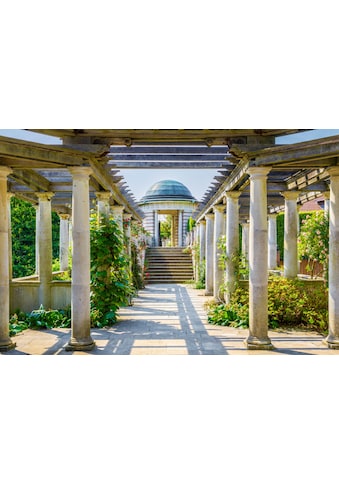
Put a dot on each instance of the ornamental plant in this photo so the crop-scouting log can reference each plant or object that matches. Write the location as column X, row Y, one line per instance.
column 111, row 285
column 313, row 242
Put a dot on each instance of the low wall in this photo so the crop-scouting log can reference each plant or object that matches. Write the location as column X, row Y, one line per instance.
column 24, row 295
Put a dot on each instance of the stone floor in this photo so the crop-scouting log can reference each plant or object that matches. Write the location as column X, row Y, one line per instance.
column 167, row 319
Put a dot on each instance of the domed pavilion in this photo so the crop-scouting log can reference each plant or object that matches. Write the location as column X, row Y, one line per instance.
column 167, row 197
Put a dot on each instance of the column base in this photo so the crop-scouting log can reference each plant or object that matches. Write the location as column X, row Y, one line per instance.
column 254, row 343
column 6, row 345
column 331, row 342
column 80, row 344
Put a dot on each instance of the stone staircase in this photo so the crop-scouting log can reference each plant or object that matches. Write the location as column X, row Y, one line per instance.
column 168, row 265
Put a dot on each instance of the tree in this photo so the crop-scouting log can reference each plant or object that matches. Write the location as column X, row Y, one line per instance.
column 314, row 239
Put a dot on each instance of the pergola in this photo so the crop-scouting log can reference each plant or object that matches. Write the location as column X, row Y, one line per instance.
column 257, row 179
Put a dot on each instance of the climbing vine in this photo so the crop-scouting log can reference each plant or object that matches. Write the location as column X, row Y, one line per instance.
column 111, row 285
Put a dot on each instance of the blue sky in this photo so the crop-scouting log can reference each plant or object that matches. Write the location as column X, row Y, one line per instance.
column 197, row 181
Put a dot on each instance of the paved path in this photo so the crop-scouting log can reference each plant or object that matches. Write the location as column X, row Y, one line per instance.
column 167, row 319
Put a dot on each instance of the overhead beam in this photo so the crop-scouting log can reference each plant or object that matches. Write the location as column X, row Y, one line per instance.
column 169, row 165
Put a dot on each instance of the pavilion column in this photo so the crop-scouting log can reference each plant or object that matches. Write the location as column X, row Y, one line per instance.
column 5, row 341
column 232, row 242
column 333, row 263
column 245, row 239
column 202, row 240
column 258, row 296
column 156, row 229
column 291, row 265
column 219, row 231
column 103, row 203
column 80, row 334
column 127, row 232
column 117, row 212
column 209, row 254
column 180, row 228
column 64, row 241
column 10, row 256
column 272, row 241
column 37, row 235
column 44, row 247
column 326, row 201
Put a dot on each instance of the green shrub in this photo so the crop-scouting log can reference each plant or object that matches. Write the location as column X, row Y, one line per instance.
column 39, row 319
column 291, row 303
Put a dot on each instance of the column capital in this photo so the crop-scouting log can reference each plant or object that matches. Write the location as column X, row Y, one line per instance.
column 233, row 194
column 333, row 171
column 219, row 208
column 326, row 194
column 272, row 216
column 64, row 216
column 80, row 171
column 209, row 216
column 202, row 222
column 44, row 195
column 127, row 217
column 5, row 171
column 291, row 194
column 104, row 196
column 258, row 172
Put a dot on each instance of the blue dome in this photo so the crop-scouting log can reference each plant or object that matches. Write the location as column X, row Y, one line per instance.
column 167, row 190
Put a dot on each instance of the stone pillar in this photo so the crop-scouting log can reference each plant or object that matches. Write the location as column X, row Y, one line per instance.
column 209, row 256
column 156, row 229
column 80, row 334
column 117, row 212
column 103, row 203
column 272, row 241
column 291, row 265
column 64, row 241
column 232, row 242
column 333, row 264
column 258, row 298
column 180, row 228
column 245, row 239
column 10, row 256
column 202, row 239
column 37, row 235
column 5, row 341
column 219, row 231
column 44, row 248
column 326, row 201
column 127, row 232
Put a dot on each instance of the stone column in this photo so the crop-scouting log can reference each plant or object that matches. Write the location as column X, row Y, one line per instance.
column 5, row 341
column 37, row 235
column 44, row 247
column 219, row 231
column 80, row 334
column 326, row 201
column 291, row 234
column 202, row 239
column 127, row 232
column 232, row 242
column 103, row 203
column 10, row 256
column 272, row 241
column 209, row 256
column 258, row 298
column 156, row 229
column 64, row 241
column 117, row 212
column 333, row 264
column 180, row 228
column 245, row 239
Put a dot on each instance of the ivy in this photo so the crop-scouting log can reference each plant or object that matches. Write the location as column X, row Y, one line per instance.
column 111, row 285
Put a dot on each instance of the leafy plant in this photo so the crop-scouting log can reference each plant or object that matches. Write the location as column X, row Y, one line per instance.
column 39, row 319
column 313, row 242
column 291, row 303
column 111, row 285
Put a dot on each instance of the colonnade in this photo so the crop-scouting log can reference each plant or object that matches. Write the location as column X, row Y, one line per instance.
column 80, row 246
column 259, row 247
